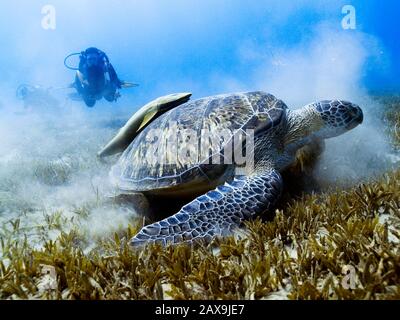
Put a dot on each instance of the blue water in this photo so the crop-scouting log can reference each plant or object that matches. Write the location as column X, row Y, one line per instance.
column 182, row 45
column 382, row 20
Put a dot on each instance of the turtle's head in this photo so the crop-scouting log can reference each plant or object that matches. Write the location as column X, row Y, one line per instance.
column 335, row 117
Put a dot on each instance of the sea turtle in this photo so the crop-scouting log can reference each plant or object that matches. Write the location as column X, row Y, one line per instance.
column 223, row 194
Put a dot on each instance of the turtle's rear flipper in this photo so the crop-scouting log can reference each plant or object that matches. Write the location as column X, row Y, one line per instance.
column 217, row 213
column 136, row 201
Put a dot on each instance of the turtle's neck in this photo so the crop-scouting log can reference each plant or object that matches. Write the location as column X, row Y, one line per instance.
column 300, row 127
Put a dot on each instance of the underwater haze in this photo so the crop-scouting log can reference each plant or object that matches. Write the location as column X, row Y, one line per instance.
column 207, row 46
column 300, row 51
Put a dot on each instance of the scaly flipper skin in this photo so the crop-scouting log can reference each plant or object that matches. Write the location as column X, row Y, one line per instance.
column 218, row 212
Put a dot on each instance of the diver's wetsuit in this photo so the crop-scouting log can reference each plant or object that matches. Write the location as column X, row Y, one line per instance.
column 96, row 77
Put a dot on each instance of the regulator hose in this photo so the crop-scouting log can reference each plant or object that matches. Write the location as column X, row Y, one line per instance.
column 66, row 60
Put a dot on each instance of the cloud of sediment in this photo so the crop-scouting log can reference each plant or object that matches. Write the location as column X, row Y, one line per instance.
column 325, row 63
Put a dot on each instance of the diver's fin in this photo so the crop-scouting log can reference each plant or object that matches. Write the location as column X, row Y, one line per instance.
column 75, row 96
column 70, row 86
column 142, row 119
column 127, row 85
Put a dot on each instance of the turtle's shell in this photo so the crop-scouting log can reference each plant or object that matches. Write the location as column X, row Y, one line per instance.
column 155, row 160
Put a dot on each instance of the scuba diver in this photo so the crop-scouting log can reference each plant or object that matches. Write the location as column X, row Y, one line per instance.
column 37, row 97
column 96, row 77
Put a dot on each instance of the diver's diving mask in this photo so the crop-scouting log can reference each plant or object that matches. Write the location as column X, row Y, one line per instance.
column 92, row 60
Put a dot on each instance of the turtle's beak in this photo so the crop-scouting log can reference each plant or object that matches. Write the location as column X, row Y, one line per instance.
column 360, row 118
column 357, row 115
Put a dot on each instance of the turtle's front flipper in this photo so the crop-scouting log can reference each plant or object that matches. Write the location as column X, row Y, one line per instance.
column 307, row 156
column 217, row 212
